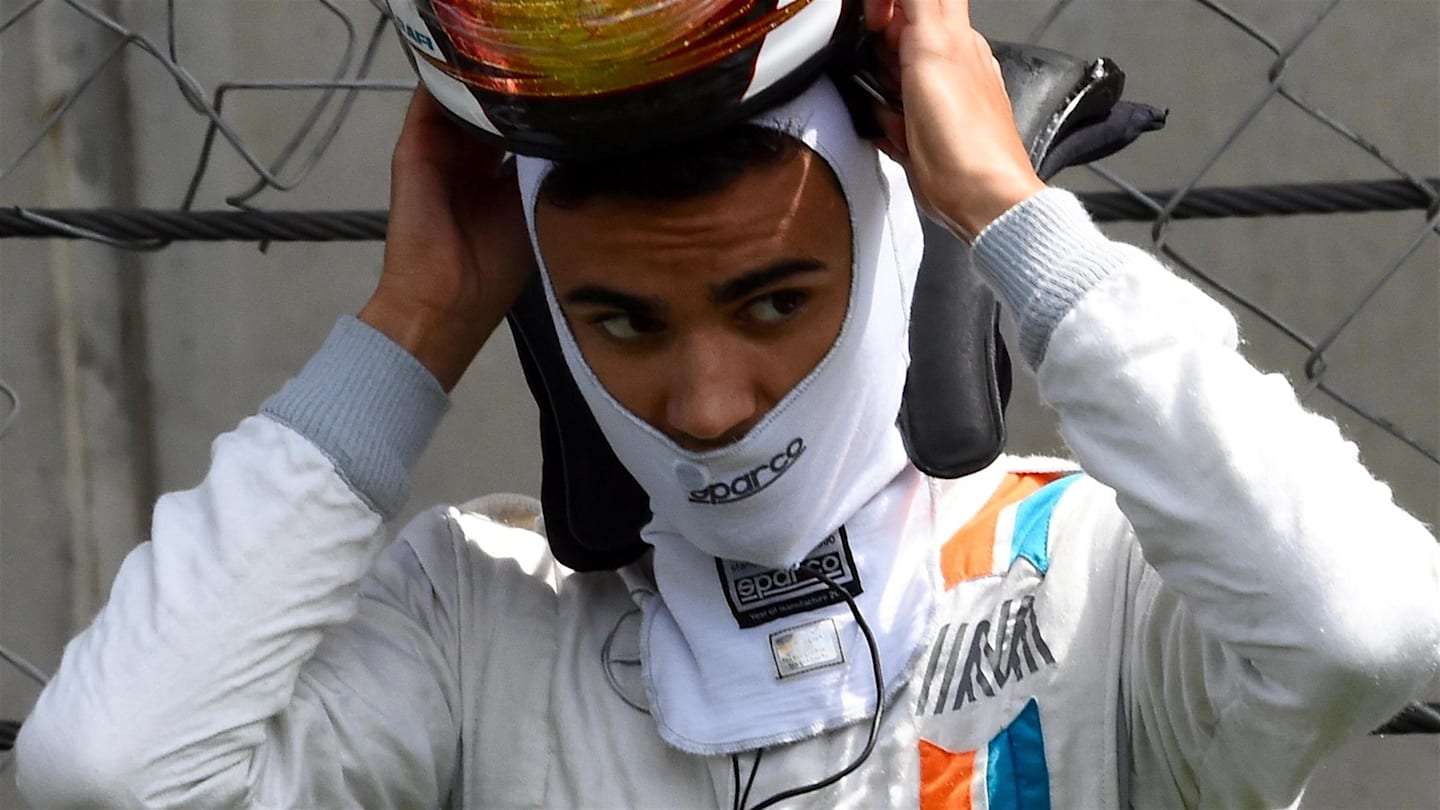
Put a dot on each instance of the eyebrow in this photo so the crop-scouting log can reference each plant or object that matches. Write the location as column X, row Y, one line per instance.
column 601, row 296
column 720, row 294
column 741, row 287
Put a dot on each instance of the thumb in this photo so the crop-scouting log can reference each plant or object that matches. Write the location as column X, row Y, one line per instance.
column 877, row 14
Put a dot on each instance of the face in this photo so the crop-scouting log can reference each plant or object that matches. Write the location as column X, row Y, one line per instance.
column 699, row 316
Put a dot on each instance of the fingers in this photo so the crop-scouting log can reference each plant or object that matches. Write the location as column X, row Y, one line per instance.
column 893, row 142
column 423, row 138
column 927, row 11
column 878, row 13
column 425, row 119
column 899, row 19
column 431, row 142
column 422, row 106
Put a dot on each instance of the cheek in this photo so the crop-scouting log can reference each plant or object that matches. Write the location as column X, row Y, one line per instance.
column 628, row 377
column 791, row 360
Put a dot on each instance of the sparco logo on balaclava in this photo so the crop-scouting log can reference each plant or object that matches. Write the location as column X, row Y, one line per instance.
column 746, row 484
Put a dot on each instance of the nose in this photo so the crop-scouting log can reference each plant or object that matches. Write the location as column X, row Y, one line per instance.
column 713, row 394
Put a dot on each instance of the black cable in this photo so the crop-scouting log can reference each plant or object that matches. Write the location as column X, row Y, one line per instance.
column 144, row 228
column 735, row 774
column 808, row 573
column 1280, row 199
column 737, row 796
column 749, row 783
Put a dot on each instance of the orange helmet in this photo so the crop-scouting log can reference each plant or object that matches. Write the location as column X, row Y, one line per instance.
column 567, row 79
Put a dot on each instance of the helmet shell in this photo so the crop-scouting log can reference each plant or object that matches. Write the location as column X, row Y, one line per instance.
column 562, row 124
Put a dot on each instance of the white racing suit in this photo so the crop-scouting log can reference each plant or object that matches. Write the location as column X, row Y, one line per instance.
column 1221, row 598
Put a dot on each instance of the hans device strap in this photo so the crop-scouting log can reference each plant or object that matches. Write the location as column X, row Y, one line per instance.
column 1067, row 111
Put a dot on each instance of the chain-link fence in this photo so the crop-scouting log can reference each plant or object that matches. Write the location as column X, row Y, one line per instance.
column 364, row 34
column 1284, row 110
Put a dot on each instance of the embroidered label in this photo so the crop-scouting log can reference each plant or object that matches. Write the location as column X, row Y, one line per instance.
column 806, row 648
column 751, row 481
column 758, row 594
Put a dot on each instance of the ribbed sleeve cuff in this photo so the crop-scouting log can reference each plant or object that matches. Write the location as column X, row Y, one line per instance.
column 367, row 404
column 1040, row 257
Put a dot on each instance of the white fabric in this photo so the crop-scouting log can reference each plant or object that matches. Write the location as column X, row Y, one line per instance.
column 714, row 687
column 828, row 455
column 819, row 462
column 1283, row 604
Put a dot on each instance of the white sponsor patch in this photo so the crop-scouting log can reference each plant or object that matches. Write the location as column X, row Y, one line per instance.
column 758, row 594
column 412, row 26
column 454, row 95
column 806, row 648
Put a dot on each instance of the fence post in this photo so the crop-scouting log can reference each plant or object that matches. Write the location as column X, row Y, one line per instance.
column 98, row 316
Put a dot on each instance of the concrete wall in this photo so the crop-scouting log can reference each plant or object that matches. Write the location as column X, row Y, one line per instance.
column 129, row 364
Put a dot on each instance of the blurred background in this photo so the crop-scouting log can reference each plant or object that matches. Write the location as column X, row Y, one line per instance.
column 127, row 362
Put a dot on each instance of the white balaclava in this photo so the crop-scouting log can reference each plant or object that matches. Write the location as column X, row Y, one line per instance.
column 830, row 444
column 735, row 655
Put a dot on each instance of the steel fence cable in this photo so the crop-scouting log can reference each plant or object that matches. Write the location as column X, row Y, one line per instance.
column 326, row 137
column 1166, row 212
column 1162, row 222
column 63, row 107
column 190, row 89
column 204, row 160
column 12, row 412
column 1318, row 350
column 21, row 12
column 1051, row 15
column 305, row 128
column 130, row 227
column 30, row 671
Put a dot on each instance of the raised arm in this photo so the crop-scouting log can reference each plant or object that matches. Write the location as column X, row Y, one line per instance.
column 1291, row 603
column 262, row 648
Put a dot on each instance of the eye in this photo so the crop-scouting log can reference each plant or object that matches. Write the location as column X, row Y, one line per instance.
column 627, row 327
column 775, row 307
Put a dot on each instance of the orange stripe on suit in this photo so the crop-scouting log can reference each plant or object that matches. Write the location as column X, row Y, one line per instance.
column 945, row 778
column 970, row 552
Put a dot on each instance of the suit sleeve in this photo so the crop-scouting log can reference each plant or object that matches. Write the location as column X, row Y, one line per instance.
column 261, row 649
column 1287, row 603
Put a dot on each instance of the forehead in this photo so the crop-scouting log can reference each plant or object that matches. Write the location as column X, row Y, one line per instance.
column 785, row 209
